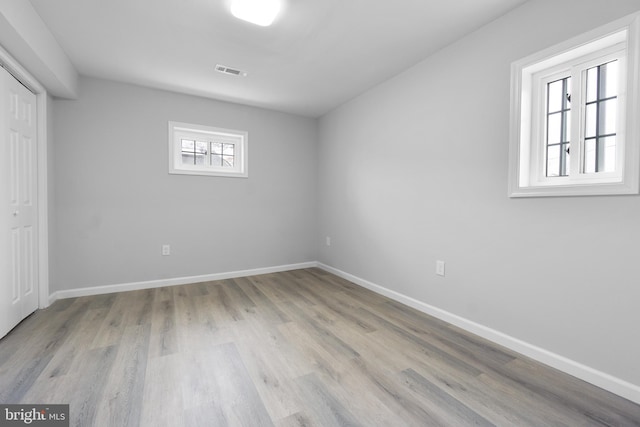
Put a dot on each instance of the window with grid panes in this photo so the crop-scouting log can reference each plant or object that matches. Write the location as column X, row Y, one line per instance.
column 558, row 118
column 205, row 150
column 601, row 119
column 570, row 132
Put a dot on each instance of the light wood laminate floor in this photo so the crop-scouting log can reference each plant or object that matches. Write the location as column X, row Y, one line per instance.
column 301, row 348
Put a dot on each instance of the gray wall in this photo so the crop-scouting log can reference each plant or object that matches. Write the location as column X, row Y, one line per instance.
column 116, row 204
column 415, row 170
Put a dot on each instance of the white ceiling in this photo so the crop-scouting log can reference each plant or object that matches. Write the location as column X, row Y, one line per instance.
column 317, row 55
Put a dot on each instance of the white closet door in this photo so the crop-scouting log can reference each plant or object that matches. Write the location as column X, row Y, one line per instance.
column 18, row 207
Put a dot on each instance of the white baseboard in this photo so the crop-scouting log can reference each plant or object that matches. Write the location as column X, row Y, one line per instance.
column 603, row 380
column 124, row 287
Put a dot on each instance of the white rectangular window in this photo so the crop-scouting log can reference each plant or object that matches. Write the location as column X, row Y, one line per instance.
column 572, row 131
column 206, row 150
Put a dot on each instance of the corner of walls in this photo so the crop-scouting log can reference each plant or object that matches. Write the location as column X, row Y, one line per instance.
column 51, row 200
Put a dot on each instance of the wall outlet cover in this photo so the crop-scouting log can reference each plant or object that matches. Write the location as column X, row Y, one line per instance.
column 440, row 268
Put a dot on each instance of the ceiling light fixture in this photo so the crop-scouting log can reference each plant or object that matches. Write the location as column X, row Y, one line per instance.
column 259, row 12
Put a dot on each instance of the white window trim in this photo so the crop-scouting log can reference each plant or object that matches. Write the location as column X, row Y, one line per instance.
column 178, row 130
column 524, row 183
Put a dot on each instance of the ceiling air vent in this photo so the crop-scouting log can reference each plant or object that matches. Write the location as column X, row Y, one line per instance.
column 228, row 70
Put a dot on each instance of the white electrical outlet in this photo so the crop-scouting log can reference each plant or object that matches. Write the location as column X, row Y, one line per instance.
column 440, row 268
column 328, row 241
column 166, row 250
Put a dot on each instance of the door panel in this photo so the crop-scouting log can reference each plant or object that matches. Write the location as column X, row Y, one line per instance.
column 18, row 210
column 28, row 249
column 13, row 166
column 27, row 171
column 15, row 266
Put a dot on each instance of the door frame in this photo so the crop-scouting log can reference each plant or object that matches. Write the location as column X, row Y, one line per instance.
column 20, row 73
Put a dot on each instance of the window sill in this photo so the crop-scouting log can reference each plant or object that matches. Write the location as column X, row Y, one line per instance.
column 208, row 173
column 609, row 189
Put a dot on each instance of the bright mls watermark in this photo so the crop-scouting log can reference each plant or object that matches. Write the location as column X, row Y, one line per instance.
column 34, row 415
